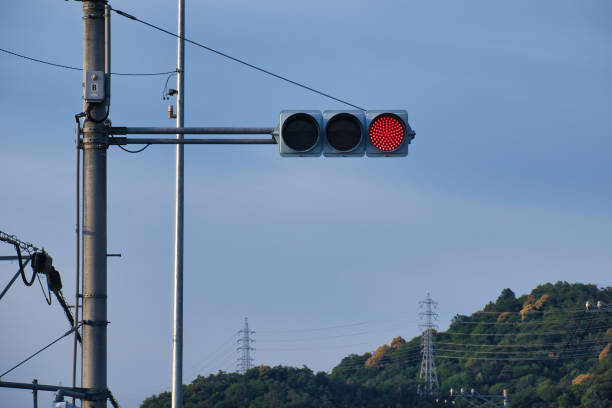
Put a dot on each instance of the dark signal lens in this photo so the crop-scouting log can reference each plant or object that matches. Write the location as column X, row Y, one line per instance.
column 343, row 132
column 300, row 132
column 387, row 132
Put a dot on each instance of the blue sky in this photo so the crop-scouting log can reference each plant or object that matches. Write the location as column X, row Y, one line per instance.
column 507, row 183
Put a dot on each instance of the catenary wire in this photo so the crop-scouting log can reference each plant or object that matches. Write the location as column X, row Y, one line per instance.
column 81, row 69
column 238, row 60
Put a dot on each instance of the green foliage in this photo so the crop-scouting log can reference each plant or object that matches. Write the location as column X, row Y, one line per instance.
column 566, row 374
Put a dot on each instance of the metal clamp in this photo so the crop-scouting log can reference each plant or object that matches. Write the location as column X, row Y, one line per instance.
column 93, row 296
column 94, row 323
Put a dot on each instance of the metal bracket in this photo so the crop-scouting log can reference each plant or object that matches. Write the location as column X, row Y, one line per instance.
column 93, row 296
column 95, row 323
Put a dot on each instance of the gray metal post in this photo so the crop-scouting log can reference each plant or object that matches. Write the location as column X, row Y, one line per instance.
column 35, row 392
column 177, row 338
column 77, row 255
column 94, row 357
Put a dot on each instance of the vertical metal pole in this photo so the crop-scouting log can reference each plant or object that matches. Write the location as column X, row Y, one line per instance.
column 95, row 145
column 77, row 269
column 177, row 339
column 35, row 392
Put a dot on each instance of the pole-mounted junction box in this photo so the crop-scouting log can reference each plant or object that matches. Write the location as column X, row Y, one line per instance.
column 94, row 86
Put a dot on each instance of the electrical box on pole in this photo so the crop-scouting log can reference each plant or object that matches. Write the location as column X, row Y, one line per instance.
column 94, row 86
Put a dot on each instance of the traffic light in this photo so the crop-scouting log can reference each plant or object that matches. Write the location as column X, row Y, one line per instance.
column 344, row 133
column 389, row 133
column 300, row 133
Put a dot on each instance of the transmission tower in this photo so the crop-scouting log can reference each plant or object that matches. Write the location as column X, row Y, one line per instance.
column 428, row 378
column 245, row 361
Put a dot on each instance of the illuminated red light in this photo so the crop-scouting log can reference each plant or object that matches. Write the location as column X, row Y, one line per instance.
column 387, row 132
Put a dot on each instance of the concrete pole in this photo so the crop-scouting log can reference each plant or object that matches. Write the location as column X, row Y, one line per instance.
column 94, row 213
column 177, row 338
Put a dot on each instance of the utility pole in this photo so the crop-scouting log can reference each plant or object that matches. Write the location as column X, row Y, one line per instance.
column 35, row 393
column 244, row 346
column 428, row 376
column 177, row 339
column 94, row 209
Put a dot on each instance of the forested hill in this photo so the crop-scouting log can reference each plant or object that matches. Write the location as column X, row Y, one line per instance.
column 544, row 348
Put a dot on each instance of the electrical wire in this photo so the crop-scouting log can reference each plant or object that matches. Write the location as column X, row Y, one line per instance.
column 520, row 345
column 342, row 346
column 519, row 352
column 60, row 298
column 165, row 96
column 22, row 267
column 40, row 351
column 238, row 60
column 553, row 311
column 47, row 298
column 417, row 358
column 516, row 323
column 314, row 329
column 567, row 357
column 519, row 334
column 112, row 399
column 571, row 338
column 81, row 69
column 320, row 338
column 128, row 150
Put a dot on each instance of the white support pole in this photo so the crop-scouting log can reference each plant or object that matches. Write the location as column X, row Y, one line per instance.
column 177, row 338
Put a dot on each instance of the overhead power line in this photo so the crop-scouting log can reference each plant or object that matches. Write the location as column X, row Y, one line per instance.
column 238, row 60
column 553, row 311
column 341, row 326
column 527, row 345
column 81, row 69
column 532, row 333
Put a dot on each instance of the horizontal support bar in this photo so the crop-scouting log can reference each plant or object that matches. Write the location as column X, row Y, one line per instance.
column 189, row 131
column 41, row 387
column 13, row 257
column 126, row 141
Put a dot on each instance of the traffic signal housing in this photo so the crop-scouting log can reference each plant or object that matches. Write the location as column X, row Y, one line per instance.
column 344, row 133
column 300, row 133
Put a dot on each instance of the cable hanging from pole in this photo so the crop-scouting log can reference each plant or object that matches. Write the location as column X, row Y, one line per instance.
column 238, row 60
column 39, row 351
column 81, row 69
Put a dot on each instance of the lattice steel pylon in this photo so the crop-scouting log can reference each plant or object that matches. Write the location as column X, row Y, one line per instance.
column 428, row 378
column 245, row 361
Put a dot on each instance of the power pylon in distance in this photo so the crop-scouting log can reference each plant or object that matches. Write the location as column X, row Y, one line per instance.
column 245, row 361
column 428, row 378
